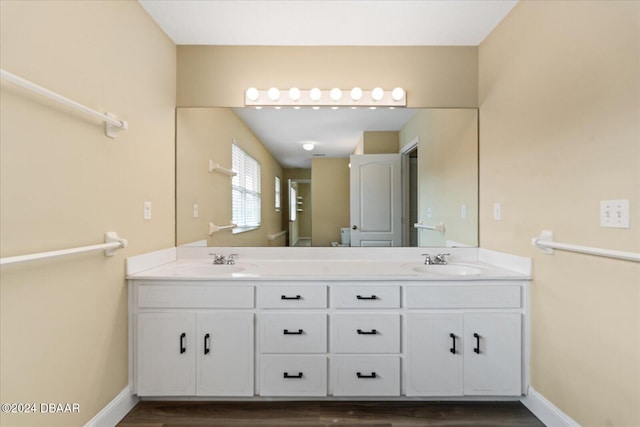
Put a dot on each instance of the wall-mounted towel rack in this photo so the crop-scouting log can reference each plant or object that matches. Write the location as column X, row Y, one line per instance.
column 112, row 124
column 111, row 243
column 439, row 228
column 276, row 235
column 545, row 242
column 215, row 167
column 215, row 228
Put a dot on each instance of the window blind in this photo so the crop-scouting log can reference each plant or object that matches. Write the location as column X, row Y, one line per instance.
column 245, row 189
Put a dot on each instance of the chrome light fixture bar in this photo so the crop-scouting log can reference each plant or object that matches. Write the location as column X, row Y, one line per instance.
column 317, row 98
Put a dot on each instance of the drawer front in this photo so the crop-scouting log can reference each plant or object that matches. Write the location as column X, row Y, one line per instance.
column 365, row 375
column 365, row 333
column 463, row 296
column 292, row 296
column 293, row 333
column 363, row 296
column 195, row 296
column 293, row 376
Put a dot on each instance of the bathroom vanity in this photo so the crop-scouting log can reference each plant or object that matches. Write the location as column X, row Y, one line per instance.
column 363, row 327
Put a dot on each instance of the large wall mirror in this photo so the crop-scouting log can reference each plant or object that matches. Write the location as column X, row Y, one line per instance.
column 346, row 177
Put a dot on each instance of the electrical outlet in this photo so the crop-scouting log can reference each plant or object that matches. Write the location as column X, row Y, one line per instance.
column 147, row 211
column 497, row 211
column 195, row 210
column 614, row 213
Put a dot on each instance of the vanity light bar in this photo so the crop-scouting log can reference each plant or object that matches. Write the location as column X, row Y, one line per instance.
column 315, row 97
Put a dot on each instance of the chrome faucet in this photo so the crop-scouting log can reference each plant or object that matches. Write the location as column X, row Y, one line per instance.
column 440, row 259
column 231, row 260
column 428, row 260
column 218, row 259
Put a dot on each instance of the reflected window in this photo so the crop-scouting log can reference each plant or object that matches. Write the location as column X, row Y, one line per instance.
column 278, row 197
column 245, row 190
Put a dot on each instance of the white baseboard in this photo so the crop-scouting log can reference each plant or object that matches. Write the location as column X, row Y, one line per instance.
column 546, row 411
column 115, row 410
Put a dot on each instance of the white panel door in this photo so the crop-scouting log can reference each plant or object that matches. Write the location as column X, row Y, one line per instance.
column 493, row 354
column 435, row 354
column 165, row 354
column 376, row 200
column 225, row 354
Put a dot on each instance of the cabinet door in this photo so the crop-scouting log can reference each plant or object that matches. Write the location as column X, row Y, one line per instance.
column 493, row 354
column 225, row 354
column 165, row 354
column 435, row 354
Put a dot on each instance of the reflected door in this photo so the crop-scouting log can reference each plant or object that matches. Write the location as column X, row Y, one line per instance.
column 376, row 200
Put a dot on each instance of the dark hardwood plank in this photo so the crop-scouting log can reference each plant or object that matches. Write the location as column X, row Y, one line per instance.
column 329, row 413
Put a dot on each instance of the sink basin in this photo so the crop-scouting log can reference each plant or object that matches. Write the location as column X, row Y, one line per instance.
column 207, row 269
column 448, row 270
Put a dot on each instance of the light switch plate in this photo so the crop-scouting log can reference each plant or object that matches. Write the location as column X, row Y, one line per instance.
column 429, row 213
column 147, row 211
column 463, row 211
column 497, row 211
column 195, row 210
column 614, row 213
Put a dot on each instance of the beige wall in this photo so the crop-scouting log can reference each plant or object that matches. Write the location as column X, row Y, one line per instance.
column 380, row 142
column 64, row 184
column 559, row 131
column 208, row 133
column 217, row 76
column 447, row 172
column 330, row 208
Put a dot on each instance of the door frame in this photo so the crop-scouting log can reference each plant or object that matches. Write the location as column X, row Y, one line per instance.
column 404, row 170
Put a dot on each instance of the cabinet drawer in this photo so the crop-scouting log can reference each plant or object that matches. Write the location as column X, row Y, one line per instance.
column 365, row 375
column 365, row 333
column 292, row 296
column 293, row 376
column 382, row 296
column 195, row 296
column 463, row 296
column 293, row 333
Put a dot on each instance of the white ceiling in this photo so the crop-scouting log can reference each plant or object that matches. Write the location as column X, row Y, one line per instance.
column 325, row 23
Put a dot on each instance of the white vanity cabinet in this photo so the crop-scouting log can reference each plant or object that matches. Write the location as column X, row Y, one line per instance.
column 200, row 344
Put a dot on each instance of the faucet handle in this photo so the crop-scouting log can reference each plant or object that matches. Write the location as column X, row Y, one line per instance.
column 440, row 258
column 428, row 259
column 231, row 259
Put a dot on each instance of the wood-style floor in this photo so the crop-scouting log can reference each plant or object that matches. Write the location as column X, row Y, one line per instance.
column 326, row 414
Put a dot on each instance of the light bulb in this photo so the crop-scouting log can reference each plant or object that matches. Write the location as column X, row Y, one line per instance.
column 377, row 94
column 397, row 94
column 356, row 94
column 315, row 94
column 273, row 94
column 335, row 94
column 294, row 94
column 253, row 94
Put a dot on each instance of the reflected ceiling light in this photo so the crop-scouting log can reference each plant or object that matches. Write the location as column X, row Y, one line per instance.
column 335, row 94
column 308, row 146
column 294, row 94
column 377, row 94
column 253, row 94
column 315, row 94
column 397, row 94
column 273, row 94
column 356, row 94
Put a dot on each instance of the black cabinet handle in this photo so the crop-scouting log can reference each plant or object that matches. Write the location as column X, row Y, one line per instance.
column 286, row 297
column 371, row 297
column 373, row 375
column 477, row 349
column 287, row 375
column 206, row 344
column 371, row 332
column 182, row 346
column 453, row 340
column 298, row 332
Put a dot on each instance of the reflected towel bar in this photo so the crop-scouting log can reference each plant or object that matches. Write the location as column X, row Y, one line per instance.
column 112, row 124
column 439, row 228
column 112, row 243
column 215, row 167
column 545, row 242
column 215, row 228
column 276, row 235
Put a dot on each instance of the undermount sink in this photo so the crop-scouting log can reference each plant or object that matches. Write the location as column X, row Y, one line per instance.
column 448, row 269
column 208, row 269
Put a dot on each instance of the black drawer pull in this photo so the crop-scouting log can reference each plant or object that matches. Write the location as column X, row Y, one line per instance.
column 298, row 332
column 453, row 340
column 286, row 375
column 286, row 297
column 477, row 349
column 371, row 297
column 182, row 346
column 371, row 332
column 206, row 344
column 373, row 375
